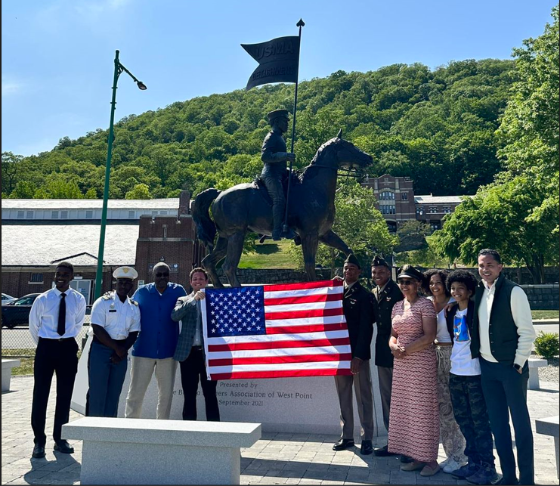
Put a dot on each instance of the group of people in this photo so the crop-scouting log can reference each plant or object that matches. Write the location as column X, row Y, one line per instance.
column 451, row 357
column 160, row 322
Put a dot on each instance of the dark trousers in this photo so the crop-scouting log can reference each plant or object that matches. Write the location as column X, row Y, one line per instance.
column 60, row 357
column 505, row 392
column 193, row 369
column 469, row 409
column 105, row 381
column 385, row 375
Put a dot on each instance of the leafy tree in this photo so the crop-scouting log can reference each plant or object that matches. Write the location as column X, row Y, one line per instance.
column 24, row 190
column 139, row 191
column 10, row 168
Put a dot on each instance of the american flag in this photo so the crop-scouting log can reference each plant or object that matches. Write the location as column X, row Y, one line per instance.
column 276, row 331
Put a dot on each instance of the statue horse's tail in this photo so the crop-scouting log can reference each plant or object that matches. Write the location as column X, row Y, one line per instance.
column 205, row 227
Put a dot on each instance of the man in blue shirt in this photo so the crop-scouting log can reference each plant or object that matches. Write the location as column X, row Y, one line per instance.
column 155, row 346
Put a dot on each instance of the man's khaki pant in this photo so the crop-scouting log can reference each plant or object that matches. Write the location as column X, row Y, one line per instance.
column 141, row 373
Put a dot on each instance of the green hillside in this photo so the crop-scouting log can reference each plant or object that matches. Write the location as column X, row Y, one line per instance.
column 437, row 127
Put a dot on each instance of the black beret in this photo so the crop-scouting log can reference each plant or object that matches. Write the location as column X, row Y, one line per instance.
column 353, row 260
column 379, row 262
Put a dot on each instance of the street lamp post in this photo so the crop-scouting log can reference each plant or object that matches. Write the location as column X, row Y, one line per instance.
column 119, row 68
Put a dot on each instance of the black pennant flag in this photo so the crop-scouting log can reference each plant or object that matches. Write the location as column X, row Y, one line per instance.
column 278, row 61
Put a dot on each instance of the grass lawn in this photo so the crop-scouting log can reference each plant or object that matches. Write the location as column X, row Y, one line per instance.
column 544, row 314
column 270, row 254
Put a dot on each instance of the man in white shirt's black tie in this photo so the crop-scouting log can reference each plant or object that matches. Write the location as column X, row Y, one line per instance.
column 55, row 320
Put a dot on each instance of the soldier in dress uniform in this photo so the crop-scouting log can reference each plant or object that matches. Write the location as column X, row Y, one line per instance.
column 115, row 320
column 274, row 157
column 387, row 294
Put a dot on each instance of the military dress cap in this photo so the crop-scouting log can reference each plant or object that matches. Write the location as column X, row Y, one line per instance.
column 379, row 262
column 408, row 271
column 276, row 113
column 125, row 272
column 352, row 260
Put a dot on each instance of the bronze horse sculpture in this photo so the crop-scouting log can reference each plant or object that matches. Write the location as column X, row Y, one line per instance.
column 247, row 207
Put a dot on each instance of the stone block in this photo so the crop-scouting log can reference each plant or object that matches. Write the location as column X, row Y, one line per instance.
column 7, row 365
column 534, row 365
column 550, row 426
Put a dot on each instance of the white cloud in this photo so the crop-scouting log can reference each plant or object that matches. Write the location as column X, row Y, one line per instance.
column 10, row 87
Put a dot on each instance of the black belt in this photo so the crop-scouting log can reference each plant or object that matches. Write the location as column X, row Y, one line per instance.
column 56, row 339
column 197, row 348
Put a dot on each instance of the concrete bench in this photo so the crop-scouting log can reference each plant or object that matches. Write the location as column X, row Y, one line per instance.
column 534, row 365
column 549, row 426
column 149, row 451
column 7, row 365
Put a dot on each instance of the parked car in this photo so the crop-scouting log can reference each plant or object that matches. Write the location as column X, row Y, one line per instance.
column 7, row 298
column 17, row 312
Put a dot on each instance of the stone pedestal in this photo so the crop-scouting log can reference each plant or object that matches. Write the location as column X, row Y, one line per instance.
column 7, row 365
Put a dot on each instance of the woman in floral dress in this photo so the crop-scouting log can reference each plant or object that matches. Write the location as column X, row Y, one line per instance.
column 414, row 416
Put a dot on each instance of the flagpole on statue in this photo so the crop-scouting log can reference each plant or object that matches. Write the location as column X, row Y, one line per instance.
column 300, row 24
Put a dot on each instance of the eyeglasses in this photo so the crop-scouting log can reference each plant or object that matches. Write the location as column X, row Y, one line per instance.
column 162, row 274
column 405, row 282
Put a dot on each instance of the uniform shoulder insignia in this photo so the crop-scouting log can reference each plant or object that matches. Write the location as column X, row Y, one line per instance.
column 133, row 302
column 108, row 295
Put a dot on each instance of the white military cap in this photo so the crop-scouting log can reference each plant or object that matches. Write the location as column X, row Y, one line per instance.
column 125, row 272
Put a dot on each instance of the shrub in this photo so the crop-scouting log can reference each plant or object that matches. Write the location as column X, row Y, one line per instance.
column 547, row 344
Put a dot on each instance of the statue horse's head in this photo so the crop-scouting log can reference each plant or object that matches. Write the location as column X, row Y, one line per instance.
column 338, row 153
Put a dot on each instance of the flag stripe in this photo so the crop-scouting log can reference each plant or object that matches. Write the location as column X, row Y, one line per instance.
column 304, row 313
column 304, row 285
column 277, row 344
column 306, row 321
column 300, row 299
column 287, row 337
column 306, row 358
column 280, row 352
column 305, row 329
column 249, row 375
column 301, row 306
column 275, row 366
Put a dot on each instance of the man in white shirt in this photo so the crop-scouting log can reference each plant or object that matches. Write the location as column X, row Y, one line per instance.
column 503, row 330
column 56, row 318
column 115, row 320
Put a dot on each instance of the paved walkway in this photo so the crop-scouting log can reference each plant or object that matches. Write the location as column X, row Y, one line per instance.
column 275, row 459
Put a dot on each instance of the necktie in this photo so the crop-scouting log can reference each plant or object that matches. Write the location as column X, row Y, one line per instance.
column 62, row 315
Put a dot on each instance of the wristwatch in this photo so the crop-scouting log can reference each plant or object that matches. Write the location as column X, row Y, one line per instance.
column 518, row 368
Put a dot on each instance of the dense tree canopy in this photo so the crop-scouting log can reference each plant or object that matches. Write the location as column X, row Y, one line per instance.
column 437, row 127
column 518, row 213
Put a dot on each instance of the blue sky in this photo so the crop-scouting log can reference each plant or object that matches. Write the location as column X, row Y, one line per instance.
column 57, row 55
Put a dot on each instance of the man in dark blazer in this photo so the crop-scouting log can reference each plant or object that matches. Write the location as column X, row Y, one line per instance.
column 386, row 295
column 190, row 349
column 358, row 310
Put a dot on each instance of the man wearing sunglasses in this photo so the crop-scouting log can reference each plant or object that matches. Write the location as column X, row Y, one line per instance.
column 156, row 343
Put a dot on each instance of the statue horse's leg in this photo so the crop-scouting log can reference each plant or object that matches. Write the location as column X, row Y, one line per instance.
column 330, row 238
column 210, row 261
column 309, row 245
column 234, row 250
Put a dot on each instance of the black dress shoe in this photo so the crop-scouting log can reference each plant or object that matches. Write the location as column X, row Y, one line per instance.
column 38, row 451
column 383, row 451
column 64, row 447
column 343, row 444
column 367, row 447
column 406, row 459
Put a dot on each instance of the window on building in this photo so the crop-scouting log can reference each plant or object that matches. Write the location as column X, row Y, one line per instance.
column 64, row 214
column 131, row 214
column 154, row 213
column 433, row 210
column 163, row 212
column 36, row 278
column 89, row 214
column 20, row 214
column 54, row 214
column 29, row 215
column 387, row 209
column 165, row 231
column 386, row 196
column 446, row 209
column 435, row 225
column 404, row 196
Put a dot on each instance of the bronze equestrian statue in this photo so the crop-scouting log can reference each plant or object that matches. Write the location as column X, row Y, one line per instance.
column 274, row 157
column 247, row 207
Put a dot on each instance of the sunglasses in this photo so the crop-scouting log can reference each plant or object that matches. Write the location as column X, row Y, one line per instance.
column 162, row 274
column 405, row 282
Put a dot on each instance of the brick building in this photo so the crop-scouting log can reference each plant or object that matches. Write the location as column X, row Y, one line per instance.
column 397, row 202
column 38, row 233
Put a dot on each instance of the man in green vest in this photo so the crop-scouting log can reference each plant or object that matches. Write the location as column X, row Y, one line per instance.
column 503, row 337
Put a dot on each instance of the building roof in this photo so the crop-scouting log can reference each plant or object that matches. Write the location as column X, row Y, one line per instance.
column 437, row 199
column 39, row 245
column 169, row 203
